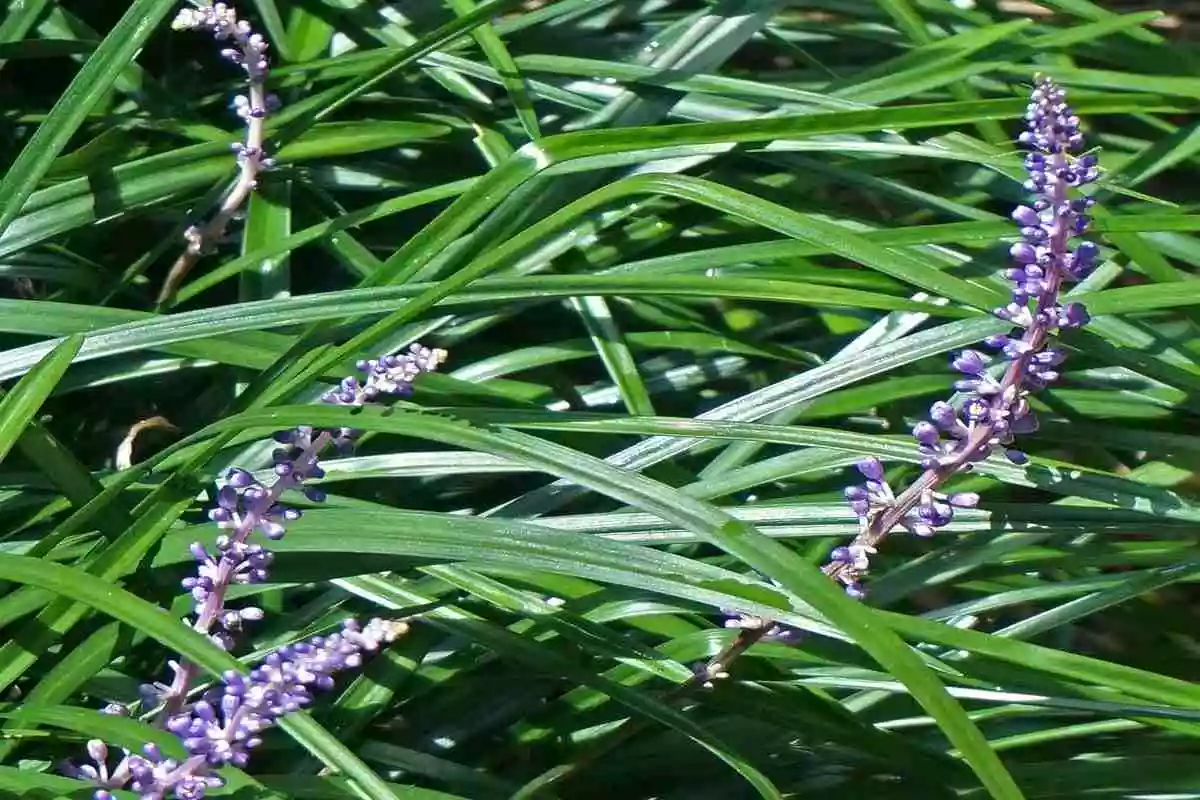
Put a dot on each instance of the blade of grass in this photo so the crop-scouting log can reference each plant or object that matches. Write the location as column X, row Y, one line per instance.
column 87, row 88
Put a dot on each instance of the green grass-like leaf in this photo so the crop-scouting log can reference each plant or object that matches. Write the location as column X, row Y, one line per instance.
column 691, row 262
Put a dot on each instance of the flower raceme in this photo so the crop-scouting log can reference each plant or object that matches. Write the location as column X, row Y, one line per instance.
column 244, row 504
column 226, row 723
column 247, row 50
column 995, row 408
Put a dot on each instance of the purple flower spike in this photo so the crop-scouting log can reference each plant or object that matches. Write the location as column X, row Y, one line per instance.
column 248, row 50
column 995, row 409
column 224, row 725
column 244, row 504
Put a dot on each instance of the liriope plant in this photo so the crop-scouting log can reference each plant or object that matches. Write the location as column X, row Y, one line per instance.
column 993, row 407
column 225, row 723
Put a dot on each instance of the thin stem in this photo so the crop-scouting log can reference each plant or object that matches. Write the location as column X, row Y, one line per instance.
column 222, row 21
column 203, row 239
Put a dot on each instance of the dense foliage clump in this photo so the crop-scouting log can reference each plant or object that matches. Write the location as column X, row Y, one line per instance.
column 680, row 272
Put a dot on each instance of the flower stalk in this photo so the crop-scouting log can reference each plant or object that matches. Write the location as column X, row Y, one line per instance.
column 995, row 407
column 226, row 722
column 994, row 411
column 249, row 51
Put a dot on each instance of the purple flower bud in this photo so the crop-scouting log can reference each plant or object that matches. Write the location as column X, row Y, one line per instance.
column 855, row 493
column 239, row 478
column 1086, row 252
column 871, row 468
column 963, row 500
column 1023, row 253
column 970, row 362
column 1075, row 316
column 935, row 514
column 1051, row 356
column 996, row 341
column 925, row 433
column 1026, row 217
column 943, row 415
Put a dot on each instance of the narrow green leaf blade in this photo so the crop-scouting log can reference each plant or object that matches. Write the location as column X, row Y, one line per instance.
column 87, row 88
column 19, row 406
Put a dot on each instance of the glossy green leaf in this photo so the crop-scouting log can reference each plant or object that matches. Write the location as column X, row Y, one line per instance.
column 72, row 107
column 19, row 406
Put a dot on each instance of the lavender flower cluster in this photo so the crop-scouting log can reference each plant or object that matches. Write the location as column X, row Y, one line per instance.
column 226, row 723
column 223, row 726
column 996, row 406
column 249, row 51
